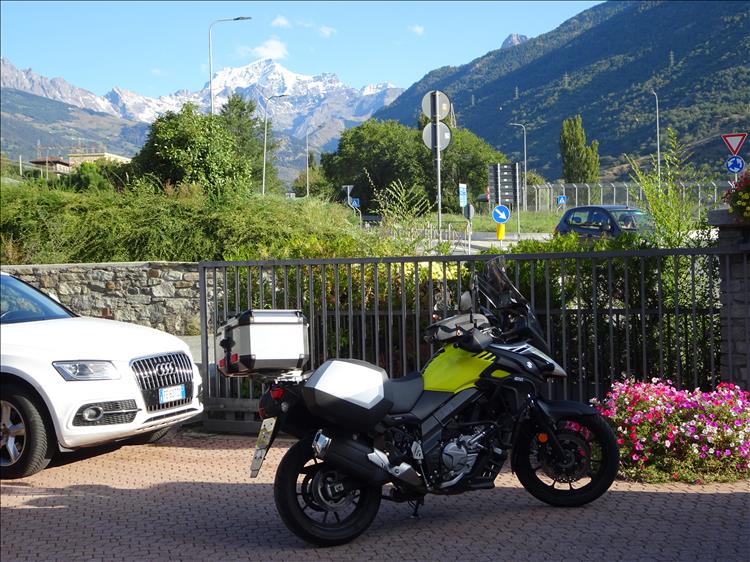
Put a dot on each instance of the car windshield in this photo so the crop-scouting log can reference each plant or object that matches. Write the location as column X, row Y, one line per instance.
column 633, row 219
column 20, row 302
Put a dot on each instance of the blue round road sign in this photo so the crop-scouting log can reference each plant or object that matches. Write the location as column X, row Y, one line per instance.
column 501, row 214
column 735, row 164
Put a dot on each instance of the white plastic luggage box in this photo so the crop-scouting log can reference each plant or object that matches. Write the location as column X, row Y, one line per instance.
column 258, row 341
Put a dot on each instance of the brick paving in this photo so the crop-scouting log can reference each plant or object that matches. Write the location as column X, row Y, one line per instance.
column 191, row 498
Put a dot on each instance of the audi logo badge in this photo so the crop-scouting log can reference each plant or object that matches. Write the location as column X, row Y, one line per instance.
column 166, row 369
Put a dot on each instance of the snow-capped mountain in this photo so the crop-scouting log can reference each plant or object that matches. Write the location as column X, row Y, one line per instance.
column 54, row 88
column 321, row 103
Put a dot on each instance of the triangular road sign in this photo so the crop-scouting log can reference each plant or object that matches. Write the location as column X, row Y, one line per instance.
column 734, row 141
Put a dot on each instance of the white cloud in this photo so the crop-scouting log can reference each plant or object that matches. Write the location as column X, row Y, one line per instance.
column 280, row 21
column 326, row 31
column 157, row 72
column 270, row 49
column 417, row 29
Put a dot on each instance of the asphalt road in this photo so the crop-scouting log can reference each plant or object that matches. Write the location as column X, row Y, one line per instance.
column 191, row 498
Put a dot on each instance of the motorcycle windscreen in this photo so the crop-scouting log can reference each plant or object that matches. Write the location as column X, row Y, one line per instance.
column 507, row 304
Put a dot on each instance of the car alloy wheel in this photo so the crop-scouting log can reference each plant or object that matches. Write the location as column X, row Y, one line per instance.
column 13, row 434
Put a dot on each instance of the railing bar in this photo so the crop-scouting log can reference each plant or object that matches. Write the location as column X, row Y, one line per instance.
column 548, row 316
column 694, row 321
column 273, row 286
column 404, row 369
column 376, row 306
column 225, row 299
column 644, row 354
column 660, row 301
column 678, row 364
column 417, row 355
column 311, row 318
column 298, row 286
column 286, row 287
column 746, row 308
column 628, row 351
column 363, row 317
column 730, row 338
column 261, row 287
column 612, row 368
column 337, row 310
column 236, row 290
column 564, row 341
column 324, row 311
column 430, row 300
column 595, row 321
column 712, row 349
column 350, row 311
column 389, row 331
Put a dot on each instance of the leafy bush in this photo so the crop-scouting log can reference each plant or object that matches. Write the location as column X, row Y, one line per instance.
column 669, row 434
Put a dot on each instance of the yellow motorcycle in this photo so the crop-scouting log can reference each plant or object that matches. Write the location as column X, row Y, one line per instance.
column 364, row 437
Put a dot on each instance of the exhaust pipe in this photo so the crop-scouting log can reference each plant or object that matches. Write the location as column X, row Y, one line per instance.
column 365, row 463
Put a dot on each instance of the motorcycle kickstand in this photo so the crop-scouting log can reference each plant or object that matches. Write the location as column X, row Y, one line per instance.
column 417, row 504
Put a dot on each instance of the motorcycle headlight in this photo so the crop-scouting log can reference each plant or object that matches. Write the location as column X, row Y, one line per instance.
column 86, row 370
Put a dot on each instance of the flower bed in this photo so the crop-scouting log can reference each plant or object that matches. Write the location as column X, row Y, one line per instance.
column 738, row 198
column 679, row 435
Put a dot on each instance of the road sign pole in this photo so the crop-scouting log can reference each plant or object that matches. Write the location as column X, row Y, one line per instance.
column 436, row 149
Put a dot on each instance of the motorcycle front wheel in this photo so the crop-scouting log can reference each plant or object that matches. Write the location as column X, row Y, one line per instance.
column 586, row 471
column 318, row 503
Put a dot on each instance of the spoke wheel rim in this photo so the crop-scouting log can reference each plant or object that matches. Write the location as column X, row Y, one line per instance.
column 582, row 448
column 12, row 434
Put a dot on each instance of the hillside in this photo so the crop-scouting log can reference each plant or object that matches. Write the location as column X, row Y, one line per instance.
column 603, row 64
column 29, row 121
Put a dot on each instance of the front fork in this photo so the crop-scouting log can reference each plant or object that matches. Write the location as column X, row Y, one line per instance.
column 547, row 425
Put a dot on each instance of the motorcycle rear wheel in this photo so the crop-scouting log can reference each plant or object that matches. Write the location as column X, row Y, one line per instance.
column 302, row 492
column 590, row 466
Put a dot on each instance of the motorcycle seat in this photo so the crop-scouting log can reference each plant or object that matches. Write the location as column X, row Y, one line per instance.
column 403, row 392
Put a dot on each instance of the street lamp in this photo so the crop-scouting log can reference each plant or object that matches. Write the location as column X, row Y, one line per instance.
column 658, row 148
column 265, row 134
column 524, row 162
column 210, row 58
column 307, row 154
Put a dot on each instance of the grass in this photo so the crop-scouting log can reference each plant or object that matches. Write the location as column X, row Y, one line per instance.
column 542, row 221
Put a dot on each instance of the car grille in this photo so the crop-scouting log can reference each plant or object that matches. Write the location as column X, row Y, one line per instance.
column 162, row 371
column 112, row 413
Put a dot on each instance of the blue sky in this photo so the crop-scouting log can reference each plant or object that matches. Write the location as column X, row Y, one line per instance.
column 156, row 48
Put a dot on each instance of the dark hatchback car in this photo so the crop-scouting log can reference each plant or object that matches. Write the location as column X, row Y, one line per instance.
column 604, row 220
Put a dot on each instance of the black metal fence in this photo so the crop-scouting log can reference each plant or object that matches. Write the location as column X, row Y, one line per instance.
column 609, row 315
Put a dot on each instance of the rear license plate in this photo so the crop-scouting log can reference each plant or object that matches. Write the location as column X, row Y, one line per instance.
column 171, row 393
column 261, row 445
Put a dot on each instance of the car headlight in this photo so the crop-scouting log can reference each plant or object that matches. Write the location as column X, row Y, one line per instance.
column 86, row 370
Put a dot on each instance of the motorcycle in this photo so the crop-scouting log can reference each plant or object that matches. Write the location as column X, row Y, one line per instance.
column 446, row 430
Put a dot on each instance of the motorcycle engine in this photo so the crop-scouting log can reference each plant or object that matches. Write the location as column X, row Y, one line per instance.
column 459, row 455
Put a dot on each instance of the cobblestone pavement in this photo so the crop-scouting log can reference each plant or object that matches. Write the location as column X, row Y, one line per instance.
column 191, row 498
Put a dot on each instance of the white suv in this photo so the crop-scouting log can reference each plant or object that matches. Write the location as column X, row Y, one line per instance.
column 68, row 381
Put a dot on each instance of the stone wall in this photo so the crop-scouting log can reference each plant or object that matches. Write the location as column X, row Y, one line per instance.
column 162, row 295
column 735, row 297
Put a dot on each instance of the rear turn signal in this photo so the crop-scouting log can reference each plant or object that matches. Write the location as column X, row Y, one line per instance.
column 542, row 437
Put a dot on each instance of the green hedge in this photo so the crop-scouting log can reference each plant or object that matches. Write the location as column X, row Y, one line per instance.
column 42, row 225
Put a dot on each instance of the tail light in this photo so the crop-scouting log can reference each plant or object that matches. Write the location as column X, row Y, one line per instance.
column 277, row 393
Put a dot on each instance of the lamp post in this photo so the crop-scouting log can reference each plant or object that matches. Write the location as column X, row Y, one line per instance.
column 265, row 135
column 210, row 58
column 658, row 148
column 307, row 156
column 524, row 162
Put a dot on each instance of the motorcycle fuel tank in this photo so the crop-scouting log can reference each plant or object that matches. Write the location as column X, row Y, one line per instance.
column 453, row 369
column 348, row 392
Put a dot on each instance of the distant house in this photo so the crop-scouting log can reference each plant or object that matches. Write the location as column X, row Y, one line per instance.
column 54, row 164
column 77, row 159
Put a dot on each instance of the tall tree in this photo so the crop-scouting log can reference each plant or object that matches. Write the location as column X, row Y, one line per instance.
column 580, row 162
column 189, row 147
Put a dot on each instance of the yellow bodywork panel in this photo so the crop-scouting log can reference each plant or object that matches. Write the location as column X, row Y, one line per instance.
column 453, row 369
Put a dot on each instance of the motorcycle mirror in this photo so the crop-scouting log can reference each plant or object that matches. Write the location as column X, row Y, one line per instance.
column 464, row 304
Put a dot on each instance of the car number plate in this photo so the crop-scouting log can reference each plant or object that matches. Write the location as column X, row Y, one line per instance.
column 261, row 445
column 171, row 393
